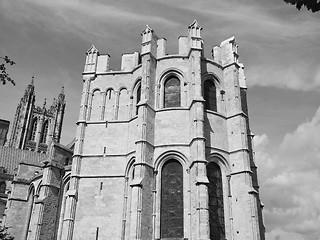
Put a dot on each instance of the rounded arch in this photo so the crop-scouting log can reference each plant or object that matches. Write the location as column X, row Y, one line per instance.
column 129, row 166
column 31, row 191
column 171, row 154
column 95, row 90
column 220, row 161
column 135, row 84
column 171, row 72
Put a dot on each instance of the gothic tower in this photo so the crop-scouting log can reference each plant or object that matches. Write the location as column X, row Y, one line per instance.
column 163, row 148
column 35, row 127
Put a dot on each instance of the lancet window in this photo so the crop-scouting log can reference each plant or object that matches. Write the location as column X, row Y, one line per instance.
column 33, row 129
column 216, row 209
column 210, row 96
column 171, row 209
column 172, row 92
column 44, row 132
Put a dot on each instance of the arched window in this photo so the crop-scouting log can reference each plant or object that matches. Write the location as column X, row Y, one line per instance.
column 2, row 187
column 33, row 130
column 96, row 106
column 171, row 209
column 210, row 95
column 216, row 210
column 109, row 108
column 30, row 215
column 138, row 97
column 172, row 95
column 127, row 202
column 44, row 132
column 123, row 104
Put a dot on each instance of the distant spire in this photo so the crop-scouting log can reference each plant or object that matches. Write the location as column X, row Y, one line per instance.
column 44, row 103
column 62, row 90
column 32, row 80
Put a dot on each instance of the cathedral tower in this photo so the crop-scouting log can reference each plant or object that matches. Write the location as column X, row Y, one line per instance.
column 163, row 148
column 34, row 127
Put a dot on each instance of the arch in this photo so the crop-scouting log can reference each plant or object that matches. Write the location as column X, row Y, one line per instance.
column 44, row 132
column 96, row 104
column 33, row 131
column 221, row 161
column 215, row 201
column 129, row 173
column 3, row 187
column 30, row 211
column 62, row 206
column 171, row 200
column 210, row 95
column 172, row 92
column 136, row 96
column 109, row 105
column 123, row 104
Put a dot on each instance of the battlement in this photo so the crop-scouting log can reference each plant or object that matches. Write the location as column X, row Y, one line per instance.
column 224, row 54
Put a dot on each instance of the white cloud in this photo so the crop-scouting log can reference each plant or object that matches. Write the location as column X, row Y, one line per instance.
column 289, row 180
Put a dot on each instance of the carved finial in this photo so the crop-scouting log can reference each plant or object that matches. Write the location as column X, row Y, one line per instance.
column 195, row 25
column 92, row 49
column 147, row 30
column 62, row 90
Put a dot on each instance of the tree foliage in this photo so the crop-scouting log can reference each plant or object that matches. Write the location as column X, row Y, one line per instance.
column 4, row 75
column 4, row 235
column 312, row 5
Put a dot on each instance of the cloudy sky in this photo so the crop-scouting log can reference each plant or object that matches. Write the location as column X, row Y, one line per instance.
column 278, row 45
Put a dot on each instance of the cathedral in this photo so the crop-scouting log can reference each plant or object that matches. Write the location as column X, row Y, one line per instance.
column 163, row 151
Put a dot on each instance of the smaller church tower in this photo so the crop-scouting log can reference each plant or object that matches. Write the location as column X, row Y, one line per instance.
column 35, row 127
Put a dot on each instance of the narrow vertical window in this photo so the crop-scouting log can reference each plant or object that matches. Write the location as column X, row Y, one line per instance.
column 172, row 93
column 33, row 130
column 138, row 98
column 171, row 209
column 216, row 210
column 123, row 104
column 210, row 95
column 44, row 132
column 109, row 108
column 96, row 106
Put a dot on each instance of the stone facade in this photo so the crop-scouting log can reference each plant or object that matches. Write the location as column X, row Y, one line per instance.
column 163, row 150
column 4, row 128
column 35, row 127
column 134, row 123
